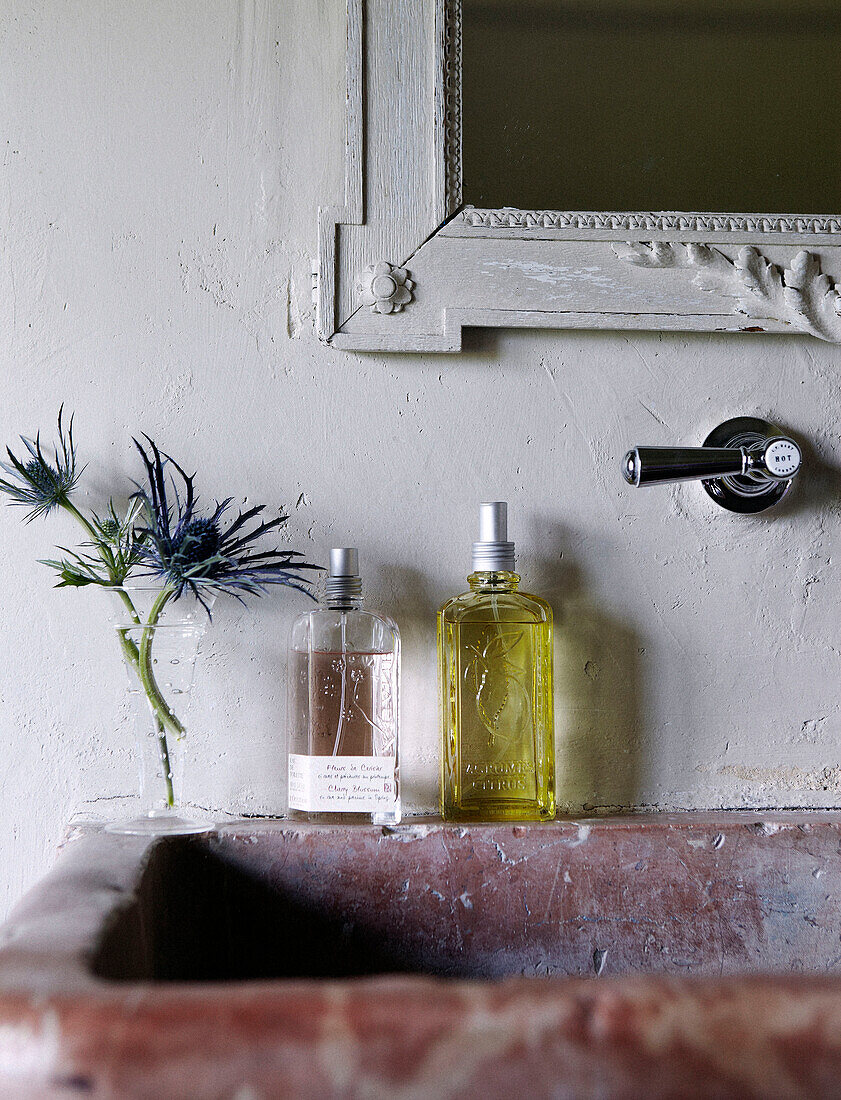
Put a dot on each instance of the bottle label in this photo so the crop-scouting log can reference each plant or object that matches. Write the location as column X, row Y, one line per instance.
column 342, row 784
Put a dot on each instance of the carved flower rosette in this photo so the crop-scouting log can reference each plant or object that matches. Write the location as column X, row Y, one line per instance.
column 385, row 289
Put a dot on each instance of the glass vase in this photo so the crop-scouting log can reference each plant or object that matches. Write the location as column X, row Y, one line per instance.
column 159, row 640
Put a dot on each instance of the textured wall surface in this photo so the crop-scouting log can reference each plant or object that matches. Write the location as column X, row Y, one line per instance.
column 162, row 165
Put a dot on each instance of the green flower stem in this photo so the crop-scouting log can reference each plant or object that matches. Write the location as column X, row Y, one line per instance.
column 146, row 671
column 74, row 511
column 140, row 657
column 164, row 717
column 132, row 656
column 163, row 749
column 126, row 598
column 130, row 650
column 116, row 581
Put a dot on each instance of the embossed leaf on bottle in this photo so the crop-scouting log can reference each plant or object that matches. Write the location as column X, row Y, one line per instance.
column 502, row 699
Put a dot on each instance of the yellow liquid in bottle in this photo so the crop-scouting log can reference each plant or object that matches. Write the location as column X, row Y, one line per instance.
column 495, row 669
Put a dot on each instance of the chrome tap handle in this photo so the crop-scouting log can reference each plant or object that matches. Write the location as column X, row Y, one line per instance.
column 658, row 465
column 745, row 465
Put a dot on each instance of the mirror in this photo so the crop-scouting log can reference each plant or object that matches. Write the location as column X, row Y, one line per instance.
column 696, row 105
column 666, row 165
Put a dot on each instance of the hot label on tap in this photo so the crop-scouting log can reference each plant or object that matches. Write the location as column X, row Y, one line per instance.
column 782, row 458
column 342, row 784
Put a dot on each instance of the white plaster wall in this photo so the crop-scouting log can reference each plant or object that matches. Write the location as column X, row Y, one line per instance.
column 161, row 168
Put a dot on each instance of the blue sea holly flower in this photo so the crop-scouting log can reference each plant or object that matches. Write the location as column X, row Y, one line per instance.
column 39, row 482
column 207, row 553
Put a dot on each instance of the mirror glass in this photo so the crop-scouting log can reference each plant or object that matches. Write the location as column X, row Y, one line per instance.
column 704, row 105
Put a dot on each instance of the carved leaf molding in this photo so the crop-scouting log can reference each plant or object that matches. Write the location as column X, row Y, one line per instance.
column 800, row 295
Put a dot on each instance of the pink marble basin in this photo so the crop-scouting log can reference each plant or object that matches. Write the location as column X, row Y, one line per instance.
column 653, row 956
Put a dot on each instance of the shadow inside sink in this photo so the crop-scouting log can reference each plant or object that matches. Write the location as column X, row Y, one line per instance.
column 693, row 897
column 197, row 917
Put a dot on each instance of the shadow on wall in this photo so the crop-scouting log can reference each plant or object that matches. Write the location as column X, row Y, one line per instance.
column 597, row 690
column 812, row 494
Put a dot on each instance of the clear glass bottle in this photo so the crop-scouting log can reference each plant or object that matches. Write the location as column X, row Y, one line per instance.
column 495, row 682
column 344, row 707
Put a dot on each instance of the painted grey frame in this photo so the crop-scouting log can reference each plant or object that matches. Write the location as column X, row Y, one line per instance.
column 403, row 266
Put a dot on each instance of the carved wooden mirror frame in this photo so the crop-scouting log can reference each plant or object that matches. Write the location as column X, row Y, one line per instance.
column 403, row 266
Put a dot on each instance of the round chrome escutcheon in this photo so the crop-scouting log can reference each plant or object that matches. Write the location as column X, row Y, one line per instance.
column 752, row 492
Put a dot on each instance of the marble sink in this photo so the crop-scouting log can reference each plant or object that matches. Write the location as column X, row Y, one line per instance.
column 691, row 955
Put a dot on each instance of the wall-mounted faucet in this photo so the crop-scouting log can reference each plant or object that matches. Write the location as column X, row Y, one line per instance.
column 745, row 464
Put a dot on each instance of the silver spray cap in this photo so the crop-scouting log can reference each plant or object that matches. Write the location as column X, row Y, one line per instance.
column 493, row 552
column 343, row 580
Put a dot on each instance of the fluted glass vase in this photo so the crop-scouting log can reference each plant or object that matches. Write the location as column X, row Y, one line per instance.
column 159, row 638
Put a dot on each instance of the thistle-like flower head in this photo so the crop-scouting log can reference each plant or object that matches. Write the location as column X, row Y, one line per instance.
column 207, row 553
column 39, row 482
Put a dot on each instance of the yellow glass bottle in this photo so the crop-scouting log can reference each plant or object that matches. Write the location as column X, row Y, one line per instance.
column 495, row 683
